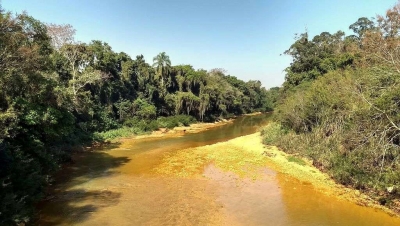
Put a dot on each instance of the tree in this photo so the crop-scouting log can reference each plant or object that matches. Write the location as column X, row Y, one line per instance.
column 162, row 64
column 60, row 34
column 146, row 79
column 390, row 23
column 272, row 97
column 143, row 109
column 361, row 26
column 314, row 58
column 381, row 45
column 31, row 122
column 79, row 58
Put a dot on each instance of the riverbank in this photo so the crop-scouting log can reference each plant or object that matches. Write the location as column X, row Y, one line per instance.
column 255, row 113
column 178, row 131
column 154, row 129
column 193, row 128
column 303, row 170
column 246, row 156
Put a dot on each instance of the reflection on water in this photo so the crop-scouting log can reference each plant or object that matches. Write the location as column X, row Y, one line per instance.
column 116, row 186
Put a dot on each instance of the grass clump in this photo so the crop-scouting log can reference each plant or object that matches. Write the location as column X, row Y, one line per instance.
column 296, row 160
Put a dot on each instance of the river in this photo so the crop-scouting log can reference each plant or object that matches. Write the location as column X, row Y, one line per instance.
column 117, row 185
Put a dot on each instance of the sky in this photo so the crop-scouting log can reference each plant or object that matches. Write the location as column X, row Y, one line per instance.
column 246, row 38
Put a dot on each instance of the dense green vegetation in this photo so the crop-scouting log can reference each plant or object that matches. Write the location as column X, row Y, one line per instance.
column 56, row 93
column 136, row 125
column 340, row 105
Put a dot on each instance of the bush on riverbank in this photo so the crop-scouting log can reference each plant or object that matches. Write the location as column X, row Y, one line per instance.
column 340, row 106
column 175, row 121
column 343, row 122
column 136, row 126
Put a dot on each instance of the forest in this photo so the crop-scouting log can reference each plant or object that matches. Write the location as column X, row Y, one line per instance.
column 57, row 93
column 340, row 105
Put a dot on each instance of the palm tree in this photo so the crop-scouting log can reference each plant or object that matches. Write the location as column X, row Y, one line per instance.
column 162, row 63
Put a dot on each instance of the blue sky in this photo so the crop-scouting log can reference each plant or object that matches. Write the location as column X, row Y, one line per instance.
column 244, row 37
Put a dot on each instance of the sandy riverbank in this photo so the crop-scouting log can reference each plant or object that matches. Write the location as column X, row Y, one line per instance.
column 246, row 155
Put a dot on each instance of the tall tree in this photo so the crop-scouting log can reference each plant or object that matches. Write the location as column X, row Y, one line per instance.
column 60, row 34
column 362, row 25
column 162, row 63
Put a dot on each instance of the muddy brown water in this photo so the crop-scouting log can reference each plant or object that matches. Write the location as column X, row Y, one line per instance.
column 117, row 186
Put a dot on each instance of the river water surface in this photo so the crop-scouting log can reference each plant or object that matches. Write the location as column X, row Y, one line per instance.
column 118, row 186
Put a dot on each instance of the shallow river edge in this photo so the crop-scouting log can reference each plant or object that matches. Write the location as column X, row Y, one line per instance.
column 306, row 172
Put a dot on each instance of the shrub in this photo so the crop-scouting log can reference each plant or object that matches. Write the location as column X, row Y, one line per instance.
column 174, row 121
column 345, row 123
column 142, row 124
column 144, row 109
column 272, row 132
column 135, row 125
column 121, row 132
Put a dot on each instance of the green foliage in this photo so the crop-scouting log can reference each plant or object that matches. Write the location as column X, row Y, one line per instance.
column 272, row 132
column 116, row 133
column 143, row 109
column 271, row 99
column 315, row 57
column 344, row 123
column 327, row 96
column 31, row 122
column 136, row 125
column 175, row 121
column 361, row 26
column 144, row 125
column 340, row 105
